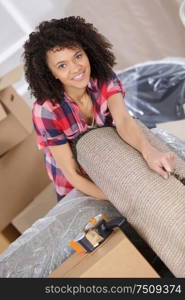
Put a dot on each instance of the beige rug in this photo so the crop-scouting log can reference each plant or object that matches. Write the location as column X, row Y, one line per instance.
column 154, row 206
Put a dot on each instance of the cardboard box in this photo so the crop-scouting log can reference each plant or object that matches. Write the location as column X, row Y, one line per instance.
column 36, row 209
column 22, row 176
column 18, row 107
column 22, row 171
column 8, row 236
column 15, row 114
column 176, row 128
column 116, row 257
column 3, row 113
column 11, row 133
column 11, row 77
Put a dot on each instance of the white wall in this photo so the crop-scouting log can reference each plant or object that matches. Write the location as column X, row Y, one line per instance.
column 17, row 19
column 140, row 30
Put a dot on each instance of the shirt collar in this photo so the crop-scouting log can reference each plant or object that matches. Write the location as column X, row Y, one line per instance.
column 92, row 85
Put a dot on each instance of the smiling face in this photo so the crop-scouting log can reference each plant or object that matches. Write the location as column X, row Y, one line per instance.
column 70, row 66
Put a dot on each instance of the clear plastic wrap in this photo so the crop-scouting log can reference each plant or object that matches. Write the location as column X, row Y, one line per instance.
column 155, row 90
column 176, row 144
column 44, row 246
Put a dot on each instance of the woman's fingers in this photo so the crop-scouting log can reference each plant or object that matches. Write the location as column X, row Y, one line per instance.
column 162, row 172
column 168, row 162
column 161, row 162
column 167, row 165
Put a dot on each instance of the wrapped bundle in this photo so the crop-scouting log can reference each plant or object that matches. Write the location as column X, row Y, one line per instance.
column 155, row 207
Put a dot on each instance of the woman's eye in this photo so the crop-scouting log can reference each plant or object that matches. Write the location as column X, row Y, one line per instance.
column 79, row 56
column 62, row 66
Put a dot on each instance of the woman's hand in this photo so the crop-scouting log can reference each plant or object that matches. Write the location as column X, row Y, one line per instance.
column 161, row 162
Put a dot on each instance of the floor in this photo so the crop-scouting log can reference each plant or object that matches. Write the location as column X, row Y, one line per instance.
column 7, row 236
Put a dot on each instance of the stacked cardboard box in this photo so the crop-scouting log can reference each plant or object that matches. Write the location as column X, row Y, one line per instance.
column 36, row 209
column 115, row 257
column 22, row 172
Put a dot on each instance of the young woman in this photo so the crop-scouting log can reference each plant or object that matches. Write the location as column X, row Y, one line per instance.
column 68, row 65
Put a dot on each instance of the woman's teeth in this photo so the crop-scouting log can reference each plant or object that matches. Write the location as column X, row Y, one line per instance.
column 78, row 77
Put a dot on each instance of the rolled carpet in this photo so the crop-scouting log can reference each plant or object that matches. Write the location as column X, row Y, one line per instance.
column 155, row 207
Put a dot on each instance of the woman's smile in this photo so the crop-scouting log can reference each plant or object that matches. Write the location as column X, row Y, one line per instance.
column 79, row 77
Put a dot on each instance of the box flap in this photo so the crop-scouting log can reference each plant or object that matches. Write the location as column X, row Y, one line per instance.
column 36, row 209
column 18, row 107
column 3, row 113
column 11, row 133
column 11, row 77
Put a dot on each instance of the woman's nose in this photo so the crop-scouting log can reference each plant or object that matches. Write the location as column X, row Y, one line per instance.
column 75, row 68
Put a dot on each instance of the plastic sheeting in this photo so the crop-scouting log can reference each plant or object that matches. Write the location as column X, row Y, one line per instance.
column 44, row 246
column 176, row 144
column 155, row 91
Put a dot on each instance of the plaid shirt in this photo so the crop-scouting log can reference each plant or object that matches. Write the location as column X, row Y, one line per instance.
column 59, row 124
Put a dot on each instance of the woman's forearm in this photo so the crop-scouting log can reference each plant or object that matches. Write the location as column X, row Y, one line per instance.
column 86, row 186
column 131, row 133
column 162, row 163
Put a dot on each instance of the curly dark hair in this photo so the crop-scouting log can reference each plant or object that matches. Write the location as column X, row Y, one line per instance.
column 69, row 32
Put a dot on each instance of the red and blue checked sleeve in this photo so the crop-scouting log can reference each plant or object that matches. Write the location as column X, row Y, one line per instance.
column 47, row 126
column 113, row 87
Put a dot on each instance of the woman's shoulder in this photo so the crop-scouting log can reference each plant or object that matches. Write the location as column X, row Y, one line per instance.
column 113, row 78
column 45, row 107
column 46, row 104
column 112, row 86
